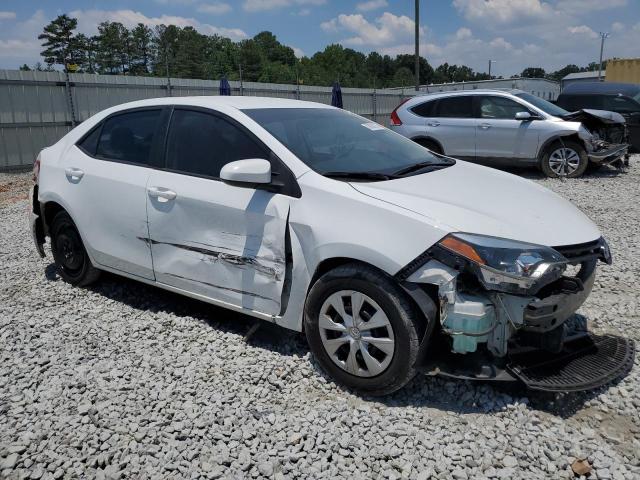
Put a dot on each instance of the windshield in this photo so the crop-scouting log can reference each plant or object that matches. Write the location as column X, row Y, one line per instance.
column 542, row 104
column 332, row 140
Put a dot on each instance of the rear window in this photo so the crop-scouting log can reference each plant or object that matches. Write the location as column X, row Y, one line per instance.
column 425, row 109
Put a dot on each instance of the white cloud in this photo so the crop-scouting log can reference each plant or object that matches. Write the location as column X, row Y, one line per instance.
column 585, row 6
column 583, row 30
column 19, row 43
column 264, row 5
column 371, row 5
column 503, row 11
column 304, row 12
column 617, row 27
column 7, row 15
column 386, row 29
column 298, row 52
column 88, row 21
column 216, row 8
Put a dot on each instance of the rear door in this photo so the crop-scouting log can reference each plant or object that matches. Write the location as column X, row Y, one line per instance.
column 452, row 124
column 221, row 241
column 500, row 138
column 106, row 175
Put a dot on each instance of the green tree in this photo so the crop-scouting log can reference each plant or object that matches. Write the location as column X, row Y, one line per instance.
column 533, row 72
column 141, row 40
column 59, row 41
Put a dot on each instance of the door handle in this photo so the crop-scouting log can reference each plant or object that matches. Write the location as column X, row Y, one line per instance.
column 485, row 126
column 162, row 193
column 433, row 124
column 73, row 173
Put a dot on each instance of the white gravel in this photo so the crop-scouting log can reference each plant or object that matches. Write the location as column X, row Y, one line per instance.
column 122, row 380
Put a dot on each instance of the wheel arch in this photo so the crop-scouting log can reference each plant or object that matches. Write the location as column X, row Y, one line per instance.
column 421, row 139
column 560, row 137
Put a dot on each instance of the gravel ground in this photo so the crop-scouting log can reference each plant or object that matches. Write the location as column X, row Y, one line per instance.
column 122, row 380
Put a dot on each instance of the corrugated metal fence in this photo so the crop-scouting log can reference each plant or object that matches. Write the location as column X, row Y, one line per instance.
column 38, row 108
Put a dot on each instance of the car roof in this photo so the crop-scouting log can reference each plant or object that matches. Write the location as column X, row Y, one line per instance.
column 455, row 93
column 601, row 87
column 238, row 102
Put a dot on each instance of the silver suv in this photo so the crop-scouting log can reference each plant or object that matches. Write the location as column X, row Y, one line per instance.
column 513, row 128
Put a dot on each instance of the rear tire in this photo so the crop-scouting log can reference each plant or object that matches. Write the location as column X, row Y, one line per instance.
column 431, row 145
column 371, row 359
column 70, row 256
column 566, row 158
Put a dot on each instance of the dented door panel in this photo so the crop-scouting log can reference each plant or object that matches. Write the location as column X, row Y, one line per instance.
column 218, row 240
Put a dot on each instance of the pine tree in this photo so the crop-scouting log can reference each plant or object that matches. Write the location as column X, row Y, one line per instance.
column 59, row 41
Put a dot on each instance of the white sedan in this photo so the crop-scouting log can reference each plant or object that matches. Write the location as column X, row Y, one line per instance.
column 391, row 259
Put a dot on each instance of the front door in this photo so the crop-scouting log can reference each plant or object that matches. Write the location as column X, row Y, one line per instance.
column 221, row 241
column 500, row 138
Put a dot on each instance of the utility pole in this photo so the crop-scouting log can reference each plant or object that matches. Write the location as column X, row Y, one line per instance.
column 417, row 26
column 603, row 37
column 490, row 62
column 166, row 62
column 241, row 86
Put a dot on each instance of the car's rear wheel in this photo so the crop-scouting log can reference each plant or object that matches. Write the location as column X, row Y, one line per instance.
column 71, row 259
column 431, row 145
column 565, row 158
column 363, row 329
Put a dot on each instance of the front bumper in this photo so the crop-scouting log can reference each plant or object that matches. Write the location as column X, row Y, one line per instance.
column 37, row 228
column 609, row 154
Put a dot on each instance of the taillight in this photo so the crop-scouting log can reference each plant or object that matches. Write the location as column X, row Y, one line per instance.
column 36, row 169
column 395, row 119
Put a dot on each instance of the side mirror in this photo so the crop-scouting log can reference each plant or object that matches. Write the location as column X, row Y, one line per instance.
column 252, row 170
column 523, row 116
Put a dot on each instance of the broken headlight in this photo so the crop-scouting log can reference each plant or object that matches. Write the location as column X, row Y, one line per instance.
column 506, row 265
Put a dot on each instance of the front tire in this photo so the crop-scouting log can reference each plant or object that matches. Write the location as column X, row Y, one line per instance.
column 70, row 256
column 566, row 158
column 363, row 329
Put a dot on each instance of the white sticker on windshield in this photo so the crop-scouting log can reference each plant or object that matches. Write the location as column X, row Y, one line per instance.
column 373, row 126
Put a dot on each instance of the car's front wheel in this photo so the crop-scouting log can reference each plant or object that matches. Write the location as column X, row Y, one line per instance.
column 363, row 329
column 71, row 259
column 565, row 158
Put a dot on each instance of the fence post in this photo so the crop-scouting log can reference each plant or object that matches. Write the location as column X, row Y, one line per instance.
column 67, row 87
column 374, row 101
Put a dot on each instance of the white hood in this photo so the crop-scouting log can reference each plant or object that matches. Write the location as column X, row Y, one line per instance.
column 475, row 199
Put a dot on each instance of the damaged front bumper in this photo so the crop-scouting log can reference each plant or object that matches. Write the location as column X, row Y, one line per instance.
column 608, row 154
column 533, row 338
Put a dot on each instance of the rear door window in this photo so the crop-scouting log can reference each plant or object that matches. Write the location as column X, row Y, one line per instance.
column 128, row 137
column 454, row 107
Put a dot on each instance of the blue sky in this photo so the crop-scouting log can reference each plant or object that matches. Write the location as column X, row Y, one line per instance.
column 514, row 33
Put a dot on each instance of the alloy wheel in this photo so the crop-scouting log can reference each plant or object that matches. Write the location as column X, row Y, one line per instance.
column 564, row 161
column 356, row 333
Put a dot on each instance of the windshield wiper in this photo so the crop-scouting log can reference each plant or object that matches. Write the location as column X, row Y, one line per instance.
column 360, row 175
column 422, row 166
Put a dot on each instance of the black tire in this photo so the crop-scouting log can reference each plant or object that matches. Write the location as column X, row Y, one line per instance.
column 431, row 145
column 407, row 322
column 70, row 256
column 570, row 145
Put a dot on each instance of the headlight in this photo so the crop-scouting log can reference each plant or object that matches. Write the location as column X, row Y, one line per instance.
column 506, row 265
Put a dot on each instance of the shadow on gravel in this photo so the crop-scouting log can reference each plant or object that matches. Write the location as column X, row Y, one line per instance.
column 447, row 395
column 149, row 299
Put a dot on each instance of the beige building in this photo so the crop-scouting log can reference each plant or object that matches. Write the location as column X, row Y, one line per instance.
column 626, row 70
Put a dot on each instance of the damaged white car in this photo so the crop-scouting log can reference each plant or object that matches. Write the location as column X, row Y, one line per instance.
column 391, row 259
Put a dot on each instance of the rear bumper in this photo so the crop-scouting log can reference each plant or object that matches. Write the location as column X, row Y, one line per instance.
column 37, row 228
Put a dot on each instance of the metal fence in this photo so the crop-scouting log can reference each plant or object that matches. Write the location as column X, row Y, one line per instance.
column 38, row 108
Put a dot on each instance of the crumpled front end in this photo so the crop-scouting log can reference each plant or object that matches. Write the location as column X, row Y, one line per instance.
column 493, row 326
column 605, row 135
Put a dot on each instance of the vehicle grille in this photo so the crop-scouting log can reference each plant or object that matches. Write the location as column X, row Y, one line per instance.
column 580, row 252
column 588, row 362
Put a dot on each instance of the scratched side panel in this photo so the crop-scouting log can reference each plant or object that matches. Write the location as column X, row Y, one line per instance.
column 219, row 240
